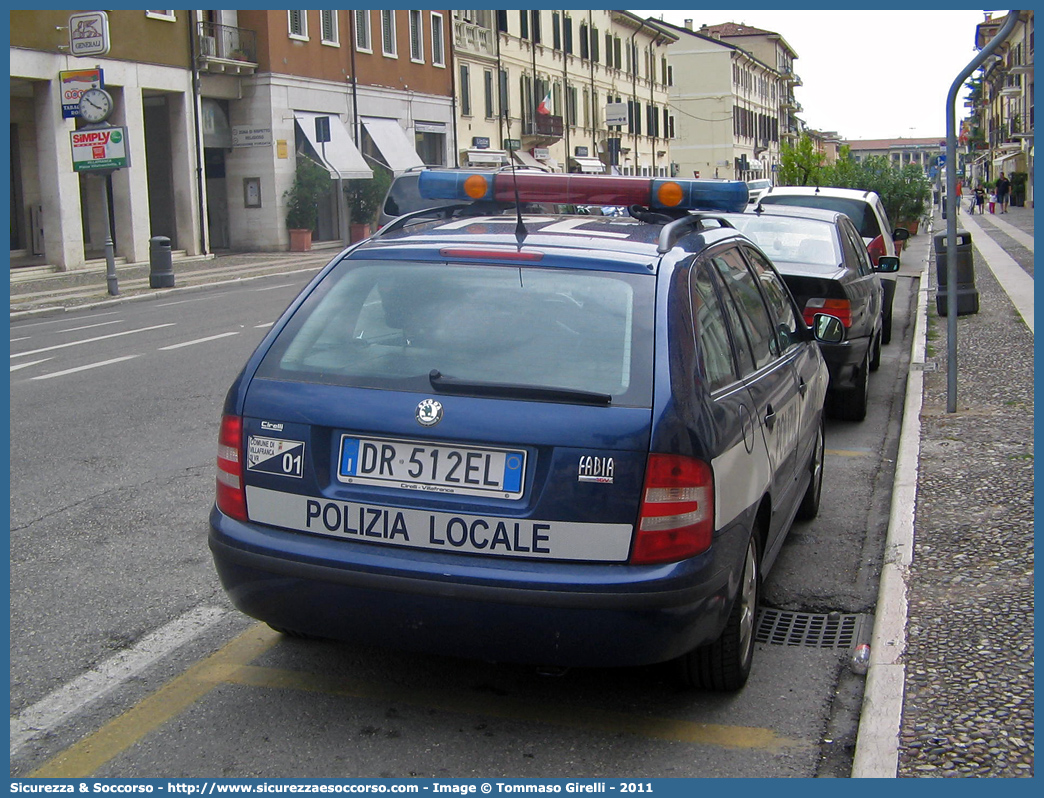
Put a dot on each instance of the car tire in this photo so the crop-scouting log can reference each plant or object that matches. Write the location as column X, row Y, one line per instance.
column 809, row 507
column 724, row 665
column 851, row 404
column 886, row 310
column 875, row 357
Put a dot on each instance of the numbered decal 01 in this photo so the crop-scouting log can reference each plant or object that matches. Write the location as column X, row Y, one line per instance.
column 275, row 456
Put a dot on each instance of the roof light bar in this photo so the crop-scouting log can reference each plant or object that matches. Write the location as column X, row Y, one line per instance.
column 660, row 193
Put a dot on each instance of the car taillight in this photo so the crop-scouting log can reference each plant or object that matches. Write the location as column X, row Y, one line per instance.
column 677, row 515
column 231, row 497
column 841, row 308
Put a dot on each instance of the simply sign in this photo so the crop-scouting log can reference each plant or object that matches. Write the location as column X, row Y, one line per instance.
column 99, row 148
column 616, row 114
column 89, row 33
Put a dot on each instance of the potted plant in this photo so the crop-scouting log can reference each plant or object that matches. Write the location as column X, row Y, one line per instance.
column 364, row 198
column 1018, row 188
column 302, row 202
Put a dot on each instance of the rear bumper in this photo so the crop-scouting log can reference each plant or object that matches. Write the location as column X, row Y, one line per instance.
column 843, row 361
column 473, row 606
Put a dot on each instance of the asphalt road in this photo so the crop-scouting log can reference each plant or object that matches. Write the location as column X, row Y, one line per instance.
column 127, row 660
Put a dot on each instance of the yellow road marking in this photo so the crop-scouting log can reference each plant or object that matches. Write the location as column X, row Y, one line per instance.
column 230, row 665
column 119, row 734
column 849, row 452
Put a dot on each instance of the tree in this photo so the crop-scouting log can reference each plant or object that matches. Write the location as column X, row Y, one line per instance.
column 302, row 198
column 801, row 165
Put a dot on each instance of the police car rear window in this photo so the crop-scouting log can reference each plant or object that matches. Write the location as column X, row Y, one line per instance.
column 390, row 324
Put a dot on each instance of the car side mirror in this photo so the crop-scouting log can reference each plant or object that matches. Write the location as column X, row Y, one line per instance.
column 887, row 263
column 828, row 329
column 900, row 234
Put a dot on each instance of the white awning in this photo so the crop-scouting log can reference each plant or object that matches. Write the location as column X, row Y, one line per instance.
column 486, row 157
column 342, row 158
column 526, row 159
column 589, row 166
column 550, row 163
column 391, row 140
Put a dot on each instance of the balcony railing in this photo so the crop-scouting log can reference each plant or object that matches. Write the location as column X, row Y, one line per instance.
column 225, row 48
column 544, row 126
column 473, row 38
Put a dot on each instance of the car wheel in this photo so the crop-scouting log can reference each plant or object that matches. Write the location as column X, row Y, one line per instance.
column 886, row 310
column 875, row 358
column 809, row 507
column 851, row 404
column 724, row 665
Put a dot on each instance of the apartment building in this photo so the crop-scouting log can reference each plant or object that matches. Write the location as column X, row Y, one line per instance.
column 578, row 91
column 57, row 213
column 730, row 121
column 216, row 106
column 999, row 131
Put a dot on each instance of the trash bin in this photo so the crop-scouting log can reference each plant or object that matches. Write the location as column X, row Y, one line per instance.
column 967, row 293
column 161, row 267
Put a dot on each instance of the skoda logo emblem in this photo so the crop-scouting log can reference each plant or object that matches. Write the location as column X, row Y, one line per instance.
column 429, row 413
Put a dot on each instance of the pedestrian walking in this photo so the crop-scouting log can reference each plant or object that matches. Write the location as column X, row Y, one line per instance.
column 979, row 200
column 1003, row 192
column 959, row 194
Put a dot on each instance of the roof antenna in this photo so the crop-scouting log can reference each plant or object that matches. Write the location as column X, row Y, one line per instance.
column 520, row 227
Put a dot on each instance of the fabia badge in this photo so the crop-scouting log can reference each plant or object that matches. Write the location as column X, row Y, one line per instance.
column 429, row 413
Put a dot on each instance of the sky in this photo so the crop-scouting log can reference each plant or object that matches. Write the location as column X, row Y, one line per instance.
column 866, row 74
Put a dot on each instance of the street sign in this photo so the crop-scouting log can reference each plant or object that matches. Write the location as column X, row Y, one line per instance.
column 512, row 144
column 74, row 83
column 616, row 114
column 89, row 33
column 322, row 128
column 99, row 149
column 250, row 136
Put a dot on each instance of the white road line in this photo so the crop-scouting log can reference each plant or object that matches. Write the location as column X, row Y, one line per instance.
column 61, row 704
column 88, row 367
column 63, row 321
column 31, row 363
column 89, row 326
column 1013, row 278
column 91, row 340
column 274, row 287
column 263, row 326
column 197, row 341
column 26, row 338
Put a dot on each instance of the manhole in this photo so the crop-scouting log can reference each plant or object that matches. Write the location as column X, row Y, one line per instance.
column 810, row 630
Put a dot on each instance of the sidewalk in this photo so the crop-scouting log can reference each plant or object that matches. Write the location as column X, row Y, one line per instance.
column 41, row 290
column 950, row 686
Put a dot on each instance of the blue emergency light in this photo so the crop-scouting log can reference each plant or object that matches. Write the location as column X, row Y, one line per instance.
column 725, row 196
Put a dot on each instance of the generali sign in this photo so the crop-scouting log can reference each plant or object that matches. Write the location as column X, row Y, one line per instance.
column 99, row 148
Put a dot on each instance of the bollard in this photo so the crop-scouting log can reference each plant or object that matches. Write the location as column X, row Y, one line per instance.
column 161, row 267
column 967, row 293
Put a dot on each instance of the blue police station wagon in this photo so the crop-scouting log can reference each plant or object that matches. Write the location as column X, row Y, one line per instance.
column 565, row 440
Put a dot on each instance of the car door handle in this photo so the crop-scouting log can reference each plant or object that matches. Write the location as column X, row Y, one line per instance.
column 770, row 418
column 802, row 386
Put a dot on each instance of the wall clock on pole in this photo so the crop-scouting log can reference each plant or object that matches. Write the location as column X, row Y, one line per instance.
column 95, row 105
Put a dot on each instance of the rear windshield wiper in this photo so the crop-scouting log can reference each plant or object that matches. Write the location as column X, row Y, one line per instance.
column 445, row 384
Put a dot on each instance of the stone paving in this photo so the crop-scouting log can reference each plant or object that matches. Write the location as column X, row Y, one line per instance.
column 968, row 707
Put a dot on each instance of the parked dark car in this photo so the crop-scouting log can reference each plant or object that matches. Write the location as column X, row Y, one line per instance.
column 828, row 270
column 578, row 442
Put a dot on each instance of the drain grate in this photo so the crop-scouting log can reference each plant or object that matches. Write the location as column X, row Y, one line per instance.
column 809, row 630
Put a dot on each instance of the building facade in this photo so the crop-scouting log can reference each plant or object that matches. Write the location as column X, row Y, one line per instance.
column 922, row 152
column 998, row 133
column 542, row 87
column 730, row 122
column 217, row 105
column 58, row 213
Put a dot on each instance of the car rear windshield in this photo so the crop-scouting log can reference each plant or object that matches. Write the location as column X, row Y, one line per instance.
column 859, row 211
column 793, row 240
column 389, row 325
